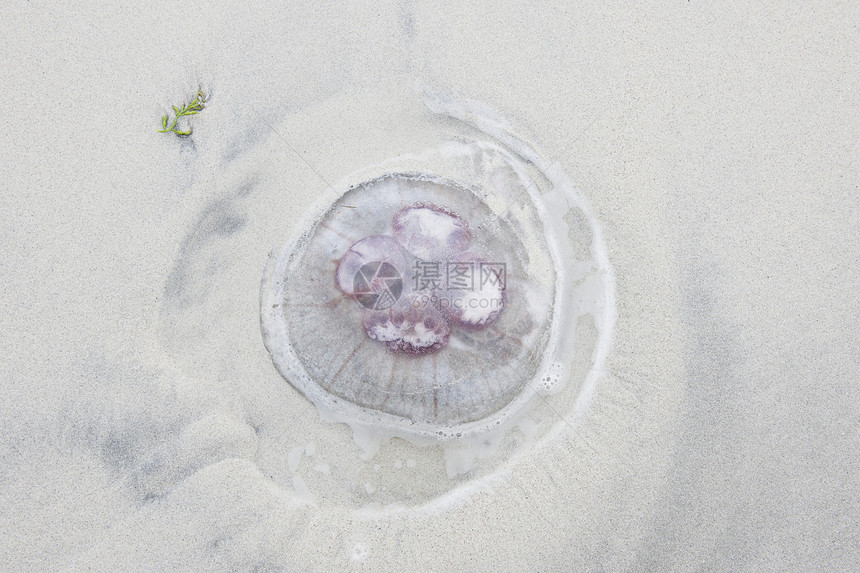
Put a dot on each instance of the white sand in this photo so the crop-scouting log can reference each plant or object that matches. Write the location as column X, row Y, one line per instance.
column 143, row 429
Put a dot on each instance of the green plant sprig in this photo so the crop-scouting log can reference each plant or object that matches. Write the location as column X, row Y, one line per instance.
column 193, row 108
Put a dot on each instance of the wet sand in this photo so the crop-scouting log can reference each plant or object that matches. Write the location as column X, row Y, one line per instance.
column 145, row 427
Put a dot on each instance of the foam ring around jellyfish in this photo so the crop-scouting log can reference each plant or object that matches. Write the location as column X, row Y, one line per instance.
column 353, row 320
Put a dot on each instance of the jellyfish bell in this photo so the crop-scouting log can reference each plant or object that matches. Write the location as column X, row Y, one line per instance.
column 413, row 367
column 432, row 303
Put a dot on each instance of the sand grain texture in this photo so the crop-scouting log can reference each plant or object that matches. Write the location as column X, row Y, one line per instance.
column 143, row 425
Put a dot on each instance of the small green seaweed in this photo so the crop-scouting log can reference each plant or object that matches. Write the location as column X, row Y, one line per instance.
column 193, row 108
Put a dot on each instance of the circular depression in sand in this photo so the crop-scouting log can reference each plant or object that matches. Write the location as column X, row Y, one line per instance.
column 339, row 444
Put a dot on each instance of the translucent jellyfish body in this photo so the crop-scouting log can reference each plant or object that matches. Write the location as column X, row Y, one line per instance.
column 435, row 304
column 450, row 333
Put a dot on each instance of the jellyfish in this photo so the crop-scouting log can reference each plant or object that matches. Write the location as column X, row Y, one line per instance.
column 410, row 303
